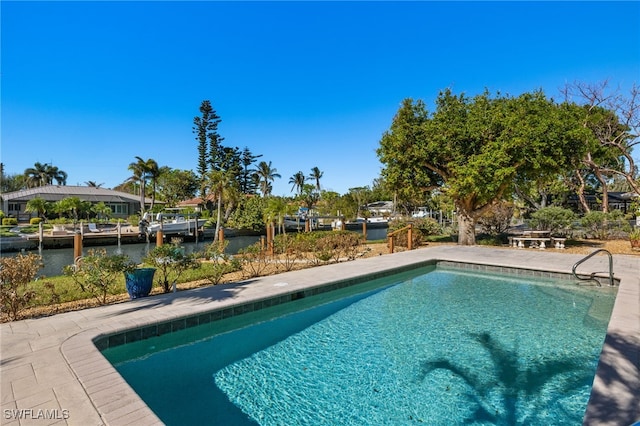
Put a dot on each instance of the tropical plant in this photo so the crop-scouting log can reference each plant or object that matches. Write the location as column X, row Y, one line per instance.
column 72, row 206
column 309, row 196
column 222, row 186
column 37, row 205
column 138, row 177
column 143, row 171
column 297, row 181
column 152, row 173
column 276, row 210
column 266, row 174
column 102, row 210
column 97, row 272
column 316, row 175
column 171, row 262
column 44, row 174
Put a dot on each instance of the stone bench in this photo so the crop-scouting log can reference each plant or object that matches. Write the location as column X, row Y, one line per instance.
column 537, row 242
column 558, row 242
column 534, row 242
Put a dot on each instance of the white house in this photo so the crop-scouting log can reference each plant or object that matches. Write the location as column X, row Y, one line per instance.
column 122, row 204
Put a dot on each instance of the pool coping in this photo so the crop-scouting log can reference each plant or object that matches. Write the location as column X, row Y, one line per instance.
column 112, row 401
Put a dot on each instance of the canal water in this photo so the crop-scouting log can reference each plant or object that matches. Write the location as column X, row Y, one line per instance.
column 56, row 259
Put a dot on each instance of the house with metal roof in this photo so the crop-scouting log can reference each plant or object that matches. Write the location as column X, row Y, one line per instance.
column 122, row 204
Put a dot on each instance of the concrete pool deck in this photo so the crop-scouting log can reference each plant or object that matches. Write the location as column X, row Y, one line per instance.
column 52, row 373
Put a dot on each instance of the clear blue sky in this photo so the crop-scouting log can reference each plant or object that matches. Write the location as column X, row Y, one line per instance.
column 87, row 86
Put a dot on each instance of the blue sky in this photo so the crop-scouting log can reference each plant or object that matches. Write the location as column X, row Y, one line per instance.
column 87, row 86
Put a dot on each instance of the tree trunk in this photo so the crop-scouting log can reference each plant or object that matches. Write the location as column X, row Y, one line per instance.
column 605, row 191
column 580, row 192
column 466, row 228
column 142, row 206
column 219, row 217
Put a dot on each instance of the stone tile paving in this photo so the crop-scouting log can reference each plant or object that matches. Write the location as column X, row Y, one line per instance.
column 52, row 373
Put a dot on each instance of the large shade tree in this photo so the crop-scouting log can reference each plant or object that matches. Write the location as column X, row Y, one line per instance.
column 175, row 185
column 614, row 119
column 474, row 149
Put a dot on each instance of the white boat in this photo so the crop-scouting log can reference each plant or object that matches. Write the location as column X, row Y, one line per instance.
column 298, row 223
column 177, row 225
column 372, row 222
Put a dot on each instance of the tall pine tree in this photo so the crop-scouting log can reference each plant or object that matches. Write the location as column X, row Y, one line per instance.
column 206, row 129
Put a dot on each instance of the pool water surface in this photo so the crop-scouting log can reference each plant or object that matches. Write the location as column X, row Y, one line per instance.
column 438, row 347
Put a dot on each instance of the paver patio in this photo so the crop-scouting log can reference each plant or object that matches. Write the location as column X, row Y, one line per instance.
column 52, row 373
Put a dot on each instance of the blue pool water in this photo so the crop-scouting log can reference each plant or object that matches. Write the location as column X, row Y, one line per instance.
column 439, row 347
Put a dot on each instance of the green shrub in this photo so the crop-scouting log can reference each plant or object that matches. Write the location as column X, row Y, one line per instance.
column 170, row 262
column 402, row 239
column 218, row 263
column 497, row 219
column 35, row 220
column 492, row 239
column 338, row 244
column 554, row 219
column 97, row 272
column 254, row 260
column 60, row 221
column 15, row 275
column 133, row 220
column 603, row 226
column 427, row 226
column 10, row 221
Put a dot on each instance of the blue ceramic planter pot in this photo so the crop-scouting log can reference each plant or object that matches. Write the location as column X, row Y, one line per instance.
column 139, row 282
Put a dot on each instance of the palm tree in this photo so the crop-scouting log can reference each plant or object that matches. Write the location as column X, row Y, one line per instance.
column 101, row 210
column 316, row 174
column 54, row 173
column 142, row 172
column 36, row 175
column 152, row 173
column 93, row 184
column 222, row 185
column 37, row 205
column 297, row 180
column 266, row 174
column 139, row 176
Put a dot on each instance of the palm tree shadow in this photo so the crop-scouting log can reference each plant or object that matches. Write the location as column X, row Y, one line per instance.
column 517, row 382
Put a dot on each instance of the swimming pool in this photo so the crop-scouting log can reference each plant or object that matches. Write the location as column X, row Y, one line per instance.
column 436, row 346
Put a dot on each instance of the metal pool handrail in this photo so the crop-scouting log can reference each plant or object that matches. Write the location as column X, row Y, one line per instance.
column 591, row 277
